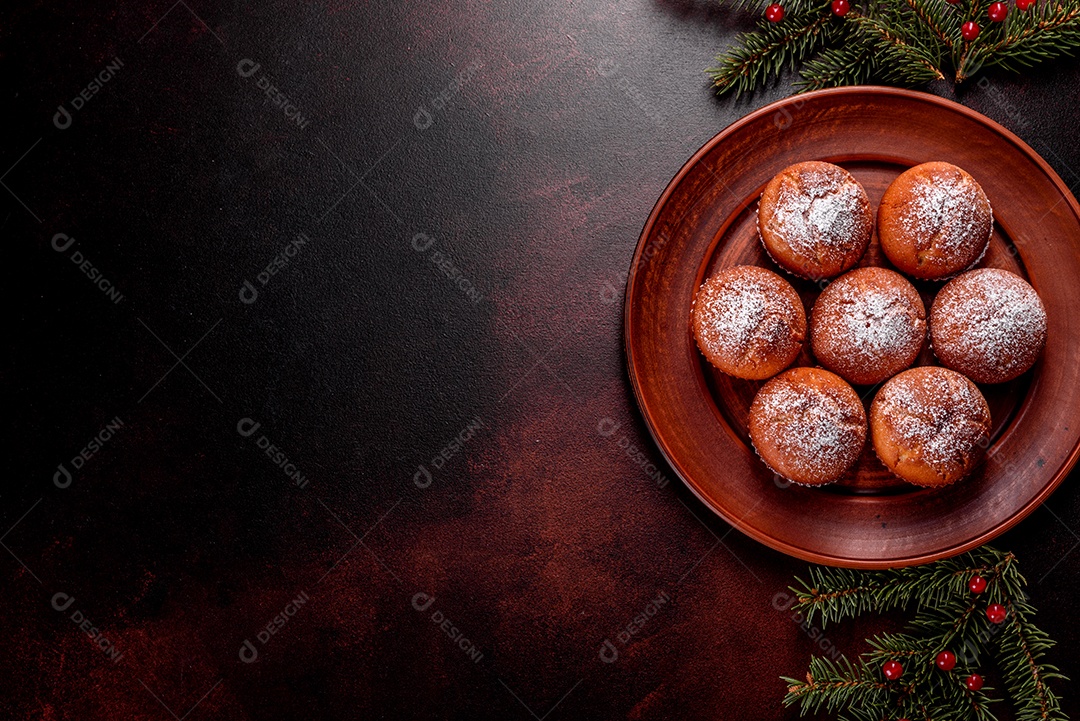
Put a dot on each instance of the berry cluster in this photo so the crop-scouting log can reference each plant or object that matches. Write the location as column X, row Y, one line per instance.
column 997, row 12
column 946, row 660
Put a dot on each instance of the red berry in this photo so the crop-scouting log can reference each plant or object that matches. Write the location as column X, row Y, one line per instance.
column 977, row 584
column 1024, row 4
column 974, row 682
column 774, row 13
column 892, row 670
column 946, row 660
column 952, row 2
column 998, row 11
column 995, row 612
column 969, row 31
column 840, row 8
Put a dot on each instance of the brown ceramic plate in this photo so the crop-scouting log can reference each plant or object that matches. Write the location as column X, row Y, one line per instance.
column 705, row 220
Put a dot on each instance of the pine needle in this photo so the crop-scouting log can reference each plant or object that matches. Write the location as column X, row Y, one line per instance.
column 948, row 616
column 908, row 43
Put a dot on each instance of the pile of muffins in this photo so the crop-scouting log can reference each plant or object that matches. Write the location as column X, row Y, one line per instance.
column 929, row 425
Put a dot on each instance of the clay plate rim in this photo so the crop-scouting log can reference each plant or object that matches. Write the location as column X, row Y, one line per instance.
column 841, row 94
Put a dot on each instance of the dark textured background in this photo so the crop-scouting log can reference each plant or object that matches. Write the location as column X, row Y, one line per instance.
column 539, row 538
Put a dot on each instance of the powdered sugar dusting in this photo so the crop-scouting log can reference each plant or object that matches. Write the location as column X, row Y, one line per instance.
column 937, row 414
column 878, row 321
column 989, row 321
column 818, row 211
column 867, row 323
column 811, row 426
column 945, row 212
column 744, row 317
column 736, row 314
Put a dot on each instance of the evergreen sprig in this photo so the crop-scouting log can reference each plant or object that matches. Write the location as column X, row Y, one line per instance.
column 844, row 65
column 761, row 54
column 897, row 42
column 948, row 616
column 834, row 594
column 1019, row 655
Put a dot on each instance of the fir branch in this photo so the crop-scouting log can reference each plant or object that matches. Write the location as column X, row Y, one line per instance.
column 897, row 42
column 762, row 53
column 897, row 61
column 970, row 56
column 1020, row 655
column 837, row 66
column 904, row 22
column 1055, row 33
column 832, row 684
column 833, row 594
column 790, row 6
column 971, row 61
column 948, row 617
column 959, row 626
column 932, row 13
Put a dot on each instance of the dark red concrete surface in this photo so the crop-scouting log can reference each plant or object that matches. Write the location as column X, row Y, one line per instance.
column 470, row 179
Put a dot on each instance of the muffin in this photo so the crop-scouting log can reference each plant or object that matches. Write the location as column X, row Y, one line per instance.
column 749, row 322
column 815, row 220
column 929, row 425
column 808, row 425
column 988, row 324
column 868, row 325
column 934, row 221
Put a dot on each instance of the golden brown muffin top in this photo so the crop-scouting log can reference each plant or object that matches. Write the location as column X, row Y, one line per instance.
column 988, row 324
column 815, row 219
column 936, row 418
column 808, row 425
column 934, row 221
column 868, row 324
column 749, row 322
